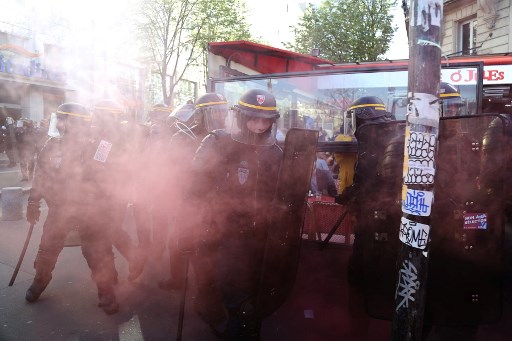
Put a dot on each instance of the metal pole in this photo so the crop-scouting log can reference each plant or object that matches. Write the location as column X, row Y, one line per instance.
column 22, row 255
column 419, row 167
column 181, row 317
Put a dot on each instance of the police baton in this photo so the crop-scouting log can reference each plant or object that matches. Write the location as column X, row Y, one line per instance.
column 185, row 253
column 22, row 255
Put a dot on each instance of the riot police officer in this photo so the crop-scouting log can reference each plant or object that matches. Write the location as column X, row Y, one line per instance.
column 367, row 109
column 108, row 173
column 208, row 116
column 149, row 208
column 235, row 177
column 58, row 180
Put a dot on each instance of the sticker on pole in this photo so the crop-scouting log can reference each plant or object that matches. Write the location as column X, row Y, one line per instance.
column 417, row 202
column 414, row 234
column 475, row 221
column 423, row 110
column 420, row 158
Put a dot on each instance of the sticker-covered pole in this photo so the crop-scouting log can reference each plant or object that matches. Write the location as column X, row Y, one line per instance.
column 421, row 134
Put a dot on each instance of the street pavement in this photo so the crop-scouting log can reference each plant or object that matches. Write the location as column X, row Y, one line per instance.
column 67, row 310
column 321, row 306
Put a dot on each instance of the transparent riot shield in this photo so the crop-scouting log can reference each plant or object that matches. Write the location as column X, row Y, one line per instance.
column 284, row 236
column 465, row 265
column 378, row 211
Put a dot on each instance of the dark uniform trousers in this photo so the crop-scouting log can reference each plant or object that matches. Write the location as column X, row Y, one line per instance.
column 57, row 179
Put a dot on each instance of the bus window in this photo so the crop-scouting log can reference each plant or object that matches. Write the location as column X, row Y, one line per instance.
column 318, row 100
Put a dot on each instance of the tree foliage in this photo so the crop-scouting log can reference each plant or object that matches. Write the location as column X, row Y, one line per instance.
column 225, row 21
column 346, row 30
column 174, row 33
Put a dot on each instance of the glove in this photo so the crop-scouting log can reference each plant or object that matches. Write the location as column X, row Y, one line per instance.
column 33, row 212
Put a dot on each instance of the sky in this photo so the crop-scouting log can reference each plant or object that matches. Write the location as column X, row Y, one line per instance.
column 270, row 20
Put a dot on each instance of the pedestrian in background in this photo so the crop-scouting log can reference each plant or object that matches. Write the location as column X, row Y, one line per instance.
column 26, row 144
column 10, row 141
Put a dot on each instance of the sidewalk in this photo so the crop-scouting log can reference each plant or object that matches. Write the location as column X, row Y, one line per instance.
column 11, row 176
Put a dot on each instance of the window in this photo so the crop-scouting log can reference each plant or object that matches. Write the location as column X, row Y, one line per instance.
column 319, row 100
column 467, row 37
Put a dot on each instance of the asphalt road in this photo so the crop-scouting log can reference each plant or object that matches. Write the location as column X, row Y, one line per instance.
column 67, row 310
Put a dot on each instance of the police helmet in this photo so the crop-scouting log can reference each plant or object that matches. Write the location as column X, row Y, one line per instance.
column 450, row 100
column 159, row 112
column 107, row 111
column 183, row 113
column 211, row 110
column 69, row 116
column 255, row 118
column 364, row 110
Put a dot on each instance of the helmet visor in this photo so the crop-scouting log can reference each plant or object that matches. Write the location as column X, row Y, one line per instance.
column 452, row 107
column 215, row 117
column 183, row 113
column 349, row 123
column 52, row 129
column 253, row 130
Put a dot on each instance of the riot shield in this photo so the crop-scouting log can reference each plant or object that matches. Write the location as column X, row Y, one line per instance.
column 465, row 266
column 379, row 174
column 284, row 235
column 466, row 235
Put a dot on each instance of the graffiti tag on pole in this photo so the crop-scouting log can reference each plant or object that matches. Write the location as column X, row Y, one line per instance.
column 417, row 202
column 408, row 284
column 420, row 155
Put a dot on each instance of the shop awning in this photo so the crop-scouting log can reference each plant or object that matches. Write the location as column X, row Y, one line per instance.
column 264, row 59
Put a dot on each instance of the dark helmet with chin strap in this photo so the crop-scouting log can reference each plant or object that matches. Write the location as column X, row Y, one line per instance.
column 71, row 117
column 364, row 110
column 159, row 112
column 255, row 104
column 450, row 100
column 107, row 111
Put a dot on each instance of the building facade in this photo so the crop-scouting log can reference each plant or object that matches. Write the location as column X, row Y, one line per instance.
column 476, row 27
column 50, row 55
column 32, row 81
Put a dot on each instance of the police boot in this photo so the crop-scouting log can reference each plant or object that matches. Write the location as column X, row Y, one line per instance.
column 250, row 323
column 214, row 314
column 38, row 285
column 108, row 302
column 136, row 266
